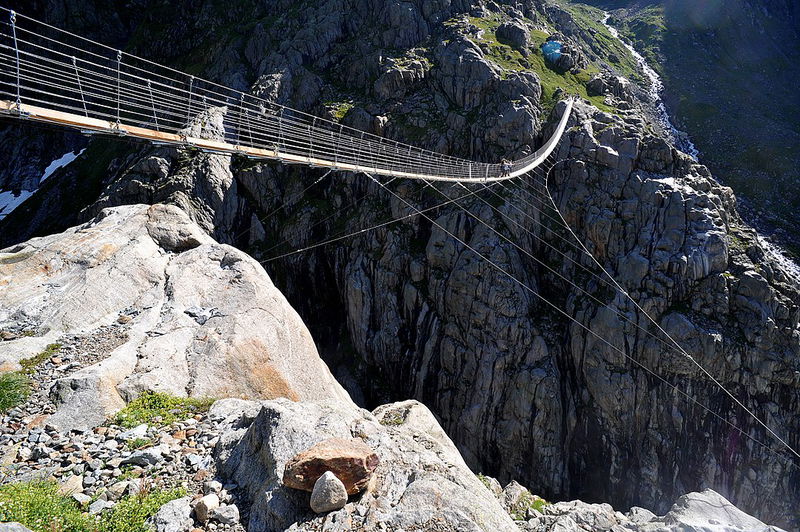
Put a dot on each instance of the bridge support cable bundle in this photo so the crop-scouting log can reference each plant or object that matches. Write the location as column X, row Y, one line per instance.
column 50, row 75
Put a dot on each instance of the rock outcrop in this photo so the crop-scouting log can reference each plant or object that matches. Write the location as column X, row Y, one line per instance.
column 418, row 485
column 202, row 319
column 693, row 512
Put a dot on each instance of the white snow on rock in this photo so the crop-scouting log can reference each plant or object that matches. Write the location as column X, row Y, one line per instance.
column 62, row 161
column 10, row 200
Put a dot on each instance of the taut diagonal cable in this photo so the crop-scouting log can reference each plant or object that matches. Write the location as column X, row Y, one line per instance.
column 603, row 340
column 674, row 342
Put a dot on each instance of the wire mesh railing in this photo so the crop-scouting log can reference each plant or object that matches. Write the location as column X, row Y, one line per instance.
column 50, row 74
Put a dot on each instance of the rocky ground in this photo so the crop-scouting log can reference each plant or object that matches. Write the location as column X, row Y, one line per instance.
column 97, row 467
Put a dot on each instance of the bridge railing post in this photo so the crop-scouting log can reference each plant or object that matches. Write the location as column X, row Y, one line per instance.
column 360, row 148
column 239, row 120
column 280, row 132
column 336, row 140
column 80, row 86
column 119, row 92
column 189, row 106
column 398, row 167
column 153, row 104
column 312, row 126
column 16, row 52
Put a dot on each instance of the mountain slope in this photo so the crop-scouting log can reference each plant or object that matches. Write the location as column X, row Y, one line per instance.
column 730, row 71
column 404, row 311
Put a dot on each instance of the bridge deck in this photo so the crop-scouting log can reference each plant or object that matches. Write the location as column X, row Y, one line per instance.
column 52, row 116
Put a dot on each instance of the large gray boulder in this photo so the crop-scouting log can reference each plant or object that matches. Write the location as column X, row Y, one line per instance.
column 515, row 34
column 174, row 516
column 418, row 485
column 202, row 318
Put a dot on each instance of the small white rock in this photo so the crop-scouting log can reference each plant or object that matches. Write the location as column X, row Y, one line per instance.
column 99, row 505
column 203, row 507
column 329, row 494
column 227, row 514
column 81, row 498
column 212, row 486
column 139, row 431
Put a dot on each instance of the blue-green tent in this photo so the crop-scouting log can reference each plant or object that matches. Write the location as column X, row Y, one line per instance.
column 551, row 51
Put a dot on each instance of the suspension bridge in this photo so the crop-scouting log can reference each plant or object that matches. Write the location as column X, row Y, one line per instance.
column 57, row 77
column 53, row 76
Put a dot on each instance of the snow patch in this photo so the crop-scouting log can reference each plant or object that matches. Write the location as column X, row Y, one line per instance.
column 62, row 161
column 10, row 200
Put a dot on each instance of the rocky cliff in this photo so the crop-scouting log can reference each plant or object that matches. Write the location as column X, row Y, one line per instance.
column 197, row 318
column 404, row 311
column 723, row 66
column 221, row 468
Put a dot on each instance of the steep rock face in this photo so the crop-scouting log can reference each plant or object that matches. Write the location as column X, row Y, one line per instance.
column 421, row 483
column 204, row 319
column 523, row 391
column 671, row 236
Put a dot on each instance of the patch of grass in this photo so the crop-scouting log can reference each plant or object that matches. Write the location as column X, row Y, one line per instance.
column 14, row 389
column 485, row 480
column 528, row 501
column 393, row 419
column 138, row 443
column 38, row 506
column 511, row 60
column 29, row 365
column 645, row 30
column 132, row 512
column 609, row 47
column 129, row 472
column 339, row 109
column 151, row 405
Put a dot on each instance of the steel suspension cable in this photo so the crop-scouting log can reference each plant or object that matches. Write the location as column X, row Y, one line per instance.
column 342, row 235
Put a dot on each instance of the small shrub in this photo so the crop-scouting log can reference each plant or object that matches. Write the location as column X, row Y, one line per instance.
column 129, row 472
column 138, row 443
column 38, row 506
column 151, row 405
column 528, row 501
column 14, row 389
column 29, row 365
